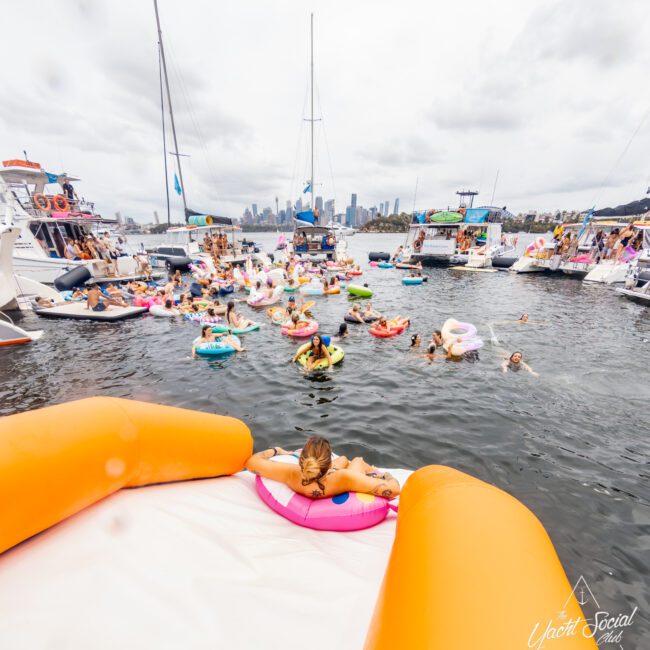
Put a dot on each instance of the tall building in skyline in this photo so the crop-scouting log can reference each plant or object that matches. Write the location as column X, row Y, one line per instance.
column 353, row 201
column 386, row 208
column 254, row 209
column 319, row 203
column 299, row 204
column 396, row 208
column 329, row 210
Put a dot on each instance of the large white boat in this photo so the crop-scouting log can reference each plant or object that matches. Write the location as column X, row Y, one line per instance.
column 48, row 221
column 341, row 229
column 448, row 237
column 585, row 258
column 189, row 242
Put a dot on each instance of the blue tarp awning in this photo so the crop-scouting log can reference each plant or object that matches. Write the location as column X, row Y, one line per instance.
column 475, row 215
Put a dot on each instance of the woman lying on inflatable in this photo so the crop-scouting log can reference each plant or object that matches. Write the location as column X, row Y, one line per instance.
column 318, row 476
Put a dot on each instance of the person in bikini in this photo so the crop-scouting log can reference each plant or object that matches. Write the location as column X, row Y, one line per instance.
column 319, row 476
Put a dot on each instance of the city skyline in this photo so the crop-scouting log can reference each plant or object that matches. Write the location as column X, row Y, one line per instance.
column 539, row 81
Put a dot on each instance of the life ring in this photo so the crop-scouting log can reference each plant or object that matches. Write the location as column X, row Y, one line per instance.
column 42, row 202
column 60, row 203
column 540, row 242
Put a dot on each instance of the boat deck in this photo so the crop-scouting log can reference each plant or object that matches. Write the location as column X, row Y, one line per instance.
column 79, row 311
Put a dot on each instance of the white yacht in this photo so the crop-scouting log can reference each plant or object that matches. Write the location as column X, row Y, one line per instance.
column 187, row 243
column 48, row 221
column 341, row 229
column 584, row 262
column 446, row 237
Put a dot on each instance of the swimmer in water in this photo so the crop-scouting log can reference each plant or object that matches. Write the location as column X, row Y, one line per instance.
column 355, row 313
column 343, row 331
column 516, row 362
column 416, row 340
column 208, row 336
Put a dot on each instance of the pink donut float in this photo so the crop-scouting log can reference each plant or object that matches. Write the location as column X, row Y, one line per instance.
column 343, row 512
column 308, row 330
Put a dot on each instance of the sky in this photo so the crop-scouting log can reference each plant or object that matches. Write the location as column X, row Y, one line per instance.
column 414, row 100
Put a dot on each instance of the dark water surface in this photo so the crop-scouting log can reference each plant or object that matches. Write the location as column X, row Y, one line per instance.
column 571, row 444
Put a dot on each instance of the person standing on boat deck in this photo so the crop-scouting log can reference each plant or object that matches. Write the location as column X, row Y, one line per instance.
column 207, row 244
column 68, row 191
column 111, row 254
column 624, row 239
column 610, row 243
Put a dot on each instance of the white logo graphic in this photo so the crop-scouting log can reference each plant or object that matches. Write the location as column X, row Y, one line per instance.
column 604, row 627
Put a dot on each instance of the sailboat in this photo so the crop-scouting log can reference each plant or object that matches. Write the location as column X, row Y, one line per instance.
column 310, row 239
column 185, row 244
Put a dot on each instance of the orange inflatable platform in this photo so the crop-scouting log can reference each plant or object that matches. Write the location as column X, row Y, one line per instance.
column 471, row 567
column 58, row 460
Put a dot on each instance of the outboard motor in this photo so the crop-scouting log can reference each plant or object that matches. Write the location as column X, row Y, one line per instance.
column 76, row 277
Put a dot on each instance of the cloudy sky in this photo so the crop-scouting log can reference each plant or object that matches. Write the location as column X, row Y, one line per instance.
column 548, row 92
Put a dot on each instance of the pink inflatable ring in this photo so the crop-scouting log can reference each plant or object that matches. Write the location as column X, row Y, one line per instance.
column 343, row 512
column 302, row 332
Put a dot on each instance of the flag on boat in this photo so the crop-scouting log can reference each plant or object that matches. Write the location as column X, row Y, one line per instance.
column 307, row 189
column 586, row 221
column 177, row 185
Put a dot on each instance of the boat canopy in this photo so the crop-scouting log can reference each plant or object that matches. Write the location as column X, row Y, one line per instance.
column 307, row 217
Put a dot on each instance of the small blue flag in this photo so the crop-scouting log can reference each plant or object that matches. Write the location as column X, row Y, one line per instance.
column 307, row 189
column 52, row 178
column 177, row 185
column 586, row 221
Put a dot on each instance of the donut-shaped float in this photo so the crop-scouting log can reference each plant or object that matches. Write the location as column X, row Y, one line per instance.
column 215, row 348
column 235, row 330
column 336, row 354
column 343, row 512
column 307, row 330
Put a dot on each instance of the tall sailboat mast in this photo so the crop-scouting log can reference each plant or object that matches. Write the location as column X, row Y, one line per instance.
column 313, row 205
column 171, row 110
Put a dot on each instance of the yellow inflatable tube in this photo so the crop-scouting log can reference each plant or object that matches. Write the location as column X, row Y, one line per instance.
column 60, row 459
column 472, row 567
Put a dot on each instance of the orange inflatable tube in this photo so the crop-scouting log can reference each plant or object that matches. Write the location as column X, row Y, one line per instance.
column 472, row 567
column 60, row 459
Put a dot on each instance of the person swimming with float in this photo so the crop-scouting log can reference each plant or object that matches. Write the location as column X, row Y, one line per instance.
column 516, row 362
column 355, row 313
column 370, row 314
column 318, row 475
column 294, row 323
column 234, row 319
column 316, row 351
column 208, row 336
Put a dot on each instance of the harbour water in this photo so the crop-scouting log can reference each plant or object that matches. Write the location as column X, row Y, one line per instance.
column 572, row 444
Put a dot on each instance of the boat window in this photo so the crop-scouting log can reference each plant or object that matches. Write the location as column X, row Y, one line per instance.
column 43, row 235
